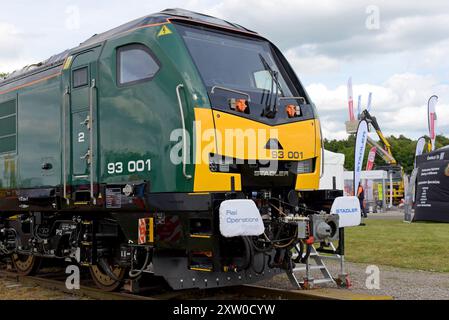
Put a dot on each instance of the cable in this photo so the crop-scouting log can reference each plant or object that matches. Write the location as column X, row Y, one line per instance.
column 293, row 239
column 278, row 210
column 292, row 206
column 300, row 251
column 259, row 250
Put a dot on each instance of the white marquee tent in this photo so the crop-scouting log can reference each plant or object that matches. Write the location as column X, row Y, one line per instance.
column 333, row 176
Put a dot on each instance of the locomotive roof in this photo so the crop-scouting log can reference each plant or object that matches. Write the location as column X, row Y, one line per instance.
column 160, row 17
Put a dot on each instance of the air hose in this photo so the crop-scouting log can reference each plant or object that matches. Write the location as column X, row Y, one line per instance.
column 303, row 257
column 135, row 274
column 263, row 265
column 106, row 268
column 254, row 250
column 248, row 255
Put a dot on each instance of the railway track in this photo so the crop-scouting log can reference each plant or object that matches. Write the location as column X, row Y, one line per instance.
column 56, row 281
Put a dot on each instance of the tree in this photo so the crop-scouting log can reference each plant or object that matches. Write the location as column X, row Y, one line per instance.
column 3, row 74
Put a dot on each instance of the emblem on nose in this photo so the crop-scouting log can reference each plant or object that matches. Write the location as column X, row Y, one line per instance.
column 274, row 144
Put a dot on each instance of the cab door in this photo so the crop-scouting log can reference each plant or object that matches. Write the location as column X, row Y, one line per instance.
column 81, row 151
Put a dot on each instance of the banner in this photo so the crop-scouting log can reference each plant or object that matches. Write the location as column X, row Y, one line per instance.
column 359, row 107
column 359, row 152
column 409, row 197
column 370, row 100
column 371, row 158
column 420, row 147
column 432, row 119
column 380, row 192
column 350, row 100
column 432, row 187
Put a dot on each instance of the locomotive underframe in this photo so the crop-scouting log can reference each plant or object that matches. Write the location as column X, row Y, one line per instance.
column 184, row 246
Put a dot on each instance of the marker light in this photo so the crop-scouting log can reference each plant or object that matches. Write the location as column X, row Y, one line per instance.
column 240, row 105
column 306, row 166
column 293, row 111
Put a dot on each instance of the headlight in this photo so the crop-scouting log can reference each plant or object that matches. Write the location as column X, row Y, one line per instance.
column 222, row 164
column 306, row 166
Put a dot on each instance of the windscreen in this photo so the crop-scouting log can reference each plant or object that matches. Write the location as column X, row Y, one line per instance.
column 239, row 67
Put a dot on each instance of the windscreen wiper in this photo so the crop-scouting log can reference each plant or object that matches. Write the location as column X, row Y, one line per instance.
column 271, row 108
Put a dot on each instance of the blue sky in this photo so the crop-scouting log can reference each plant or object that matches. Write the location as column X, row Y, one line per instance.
column 398, row 50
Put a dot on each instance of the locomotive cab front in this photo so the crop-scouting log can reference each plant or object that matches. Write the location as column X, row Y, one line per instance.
column 257, row 157
column 266, row 129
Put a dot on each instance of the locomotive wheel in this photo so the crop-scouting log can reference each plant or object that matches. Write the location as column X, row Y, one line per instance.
column 104, row 281
column 26, row 264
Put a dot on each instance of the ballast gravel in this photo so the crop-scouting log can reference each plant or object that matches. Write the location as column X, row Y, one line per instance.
column 401, row 284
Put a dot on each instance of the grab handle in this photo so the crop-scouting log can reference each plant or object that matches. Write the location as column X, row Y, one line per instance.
column 184, row 139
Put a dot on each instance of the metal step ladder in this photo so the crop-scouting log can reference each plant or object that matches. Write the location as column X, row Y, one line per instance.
column 316, row 262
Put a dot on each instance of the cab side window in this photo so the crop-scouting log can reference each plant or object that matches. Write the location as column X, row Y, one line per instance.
column 8, row 127
column 80, row 77
column 135, row 63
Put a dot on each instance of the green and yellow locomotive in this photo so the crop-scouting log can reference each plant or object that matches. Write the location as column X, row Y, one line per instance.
column 161, row 147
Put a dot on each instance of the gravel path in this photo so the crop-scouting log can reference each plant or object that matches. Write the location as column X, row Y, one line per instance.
column 392, row 214
column 401, row 284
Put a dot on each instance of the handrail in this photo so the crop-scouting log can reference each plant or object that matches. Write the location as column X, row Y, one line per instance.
column 91, row 137
column 64, row 142
column 184, row 139
column 293, row 98
column 230, row 90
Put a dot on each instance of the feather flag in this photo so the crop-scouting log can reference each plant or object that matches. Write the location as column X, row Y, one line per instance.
column 420, row 147
column 350, row 100
column 359, row 107
column 371, row 159
column 359, row 152
column 370, row 100
column 431, row 107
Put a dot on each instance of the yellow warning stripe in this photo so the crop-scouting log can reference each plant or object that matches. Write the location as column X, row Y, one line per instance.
column 200, row 269
column 151, row 230
column 199, row 236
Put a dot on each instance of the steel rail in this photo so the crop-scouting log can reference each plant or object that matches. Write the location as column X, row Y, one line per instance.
column 230, row 293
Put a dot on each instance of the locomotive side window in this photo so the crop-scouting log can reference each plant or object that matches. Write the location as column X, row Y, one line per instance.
column 80, row 77
column 8, row 127
column 135, row 63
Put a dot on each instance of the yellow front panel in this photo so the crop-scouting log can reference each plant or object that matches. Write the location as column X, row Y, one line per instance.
column 240, row 138
column 205, row 180
column 311, row 181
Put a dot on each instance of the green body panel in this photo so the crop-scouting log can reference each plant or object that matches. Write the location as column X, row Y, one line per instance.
column 39, row 135
column 130, row 123
column 38, row 138
column 147, row 113
column 132, row 128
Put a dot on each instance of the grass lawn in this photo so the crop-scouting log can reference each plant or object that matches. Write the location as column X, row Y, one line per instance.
column 422, row 246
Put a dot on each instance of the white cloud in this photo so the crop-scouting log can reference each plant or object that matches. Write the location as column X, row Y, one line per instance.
column 10, row 46
column 8, row 37
column 400, row 105
column 310, row 64
column 402, row 63
column 399, row 35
